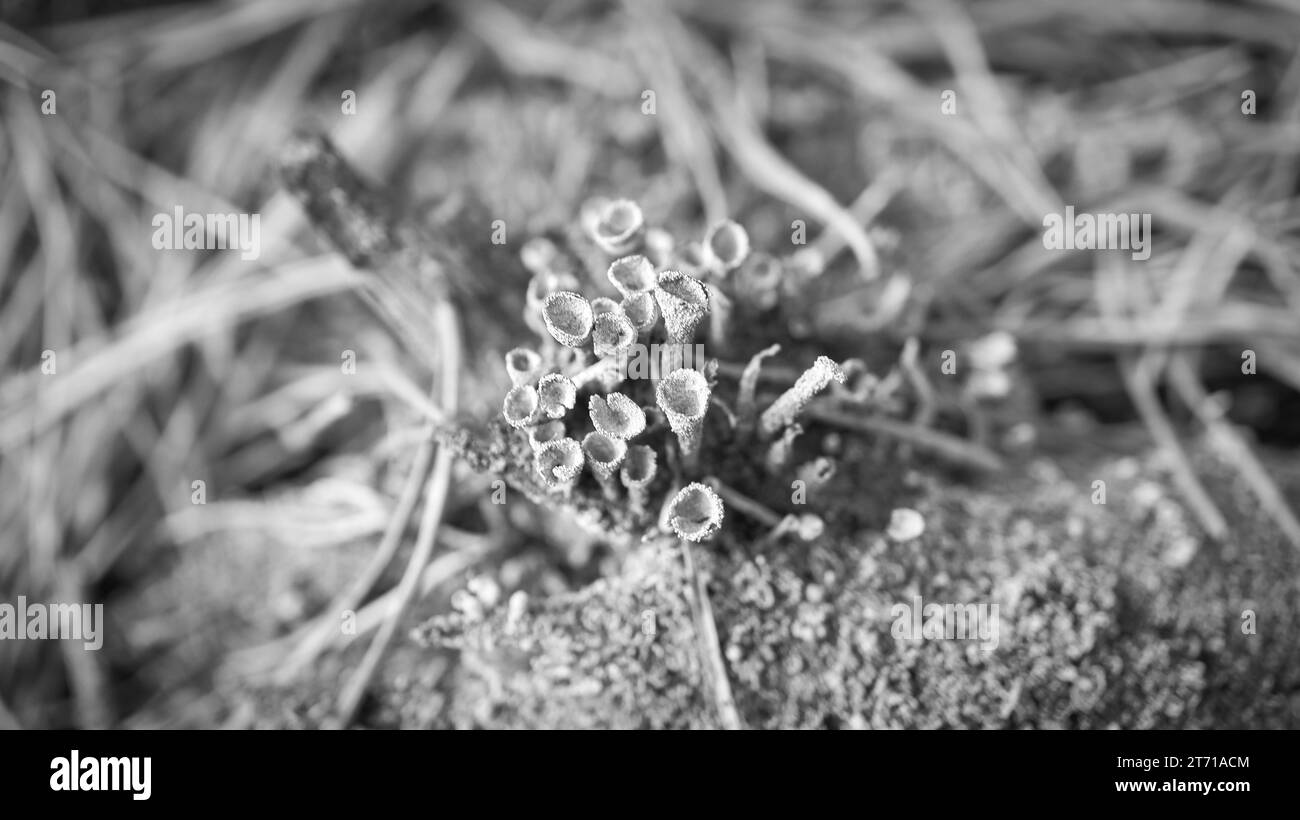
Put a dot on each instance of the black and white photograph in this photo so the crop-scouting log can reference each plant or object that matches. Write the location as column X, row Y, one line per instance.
column 651, row 365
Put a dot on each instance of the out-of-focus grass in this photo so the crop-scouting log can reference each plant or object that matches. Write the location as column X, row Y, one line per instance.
column 180, row 366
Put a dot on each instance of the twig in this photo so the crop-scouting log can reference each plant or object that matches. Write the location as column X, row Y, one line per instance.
column 742, row 502
column 715, row 667
column 1233, row 447
column 89, row 681
column 326, row 629
column 1228, row 323
column 461, row 551
column 414, row 275
column 529, row 48
column 869, row 205
column 355, row 690
column 445, row 320
column 407, row 270
column 957, row 450
column 961, row 43
column 102, row 362
column 925, row 395
column 683, row 127
column 774, row 174
column 739, row 132
column 1139, row 378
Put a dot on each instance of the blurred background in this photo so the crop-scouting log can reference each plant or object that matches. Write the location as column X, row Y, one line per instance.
column 185, row 376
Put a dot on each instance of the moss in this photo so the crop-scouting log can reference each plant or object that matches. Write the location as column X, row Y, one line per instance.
column 1104, row 624
column 620, row 653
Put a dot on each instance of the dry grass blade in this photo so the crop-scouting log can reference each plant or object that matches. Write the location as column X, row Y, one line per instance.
column 1140, row 379
column 100, row 364
column 707, row 635
column 1230, row 445
column 946, row 446
column 355, row 689
column 774, row 174
column 326, row 629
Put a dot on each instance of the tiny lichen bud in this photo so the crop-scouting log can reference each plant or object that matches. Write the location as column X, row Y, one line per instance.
column 804, row 264
column 696, row 512
column 641, row 309
column 568, row 318
column 725, row 246
column 522, row 365
column 659, row 246
column 989, row 384
column 516, row 609
column 809, row 527
column 757, row 282
column 556, row 395
column 559, row 462
column 784, row 410
column 993, row 351
column 814, row 474
column 469, row 606
column 590, row 213
column 613, row 333
column 520, row 406
column 620, row 227
column 616, row 415
column 683, row 395
column 486, row 589
column 632, row 274
column 683, row 301
column 538, row 255
column 905, row 524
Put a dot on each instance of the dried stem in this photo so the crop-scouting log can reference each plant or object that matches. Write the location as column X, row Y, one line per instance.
column 1139, row 378
column 710, row 648
column 957, row 450
column 407, row 271
column 412, row 293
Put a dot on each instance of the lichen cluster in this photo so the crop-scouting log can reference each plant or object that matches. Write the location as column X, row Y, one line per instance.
column 801, row 605
column 618, row 402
